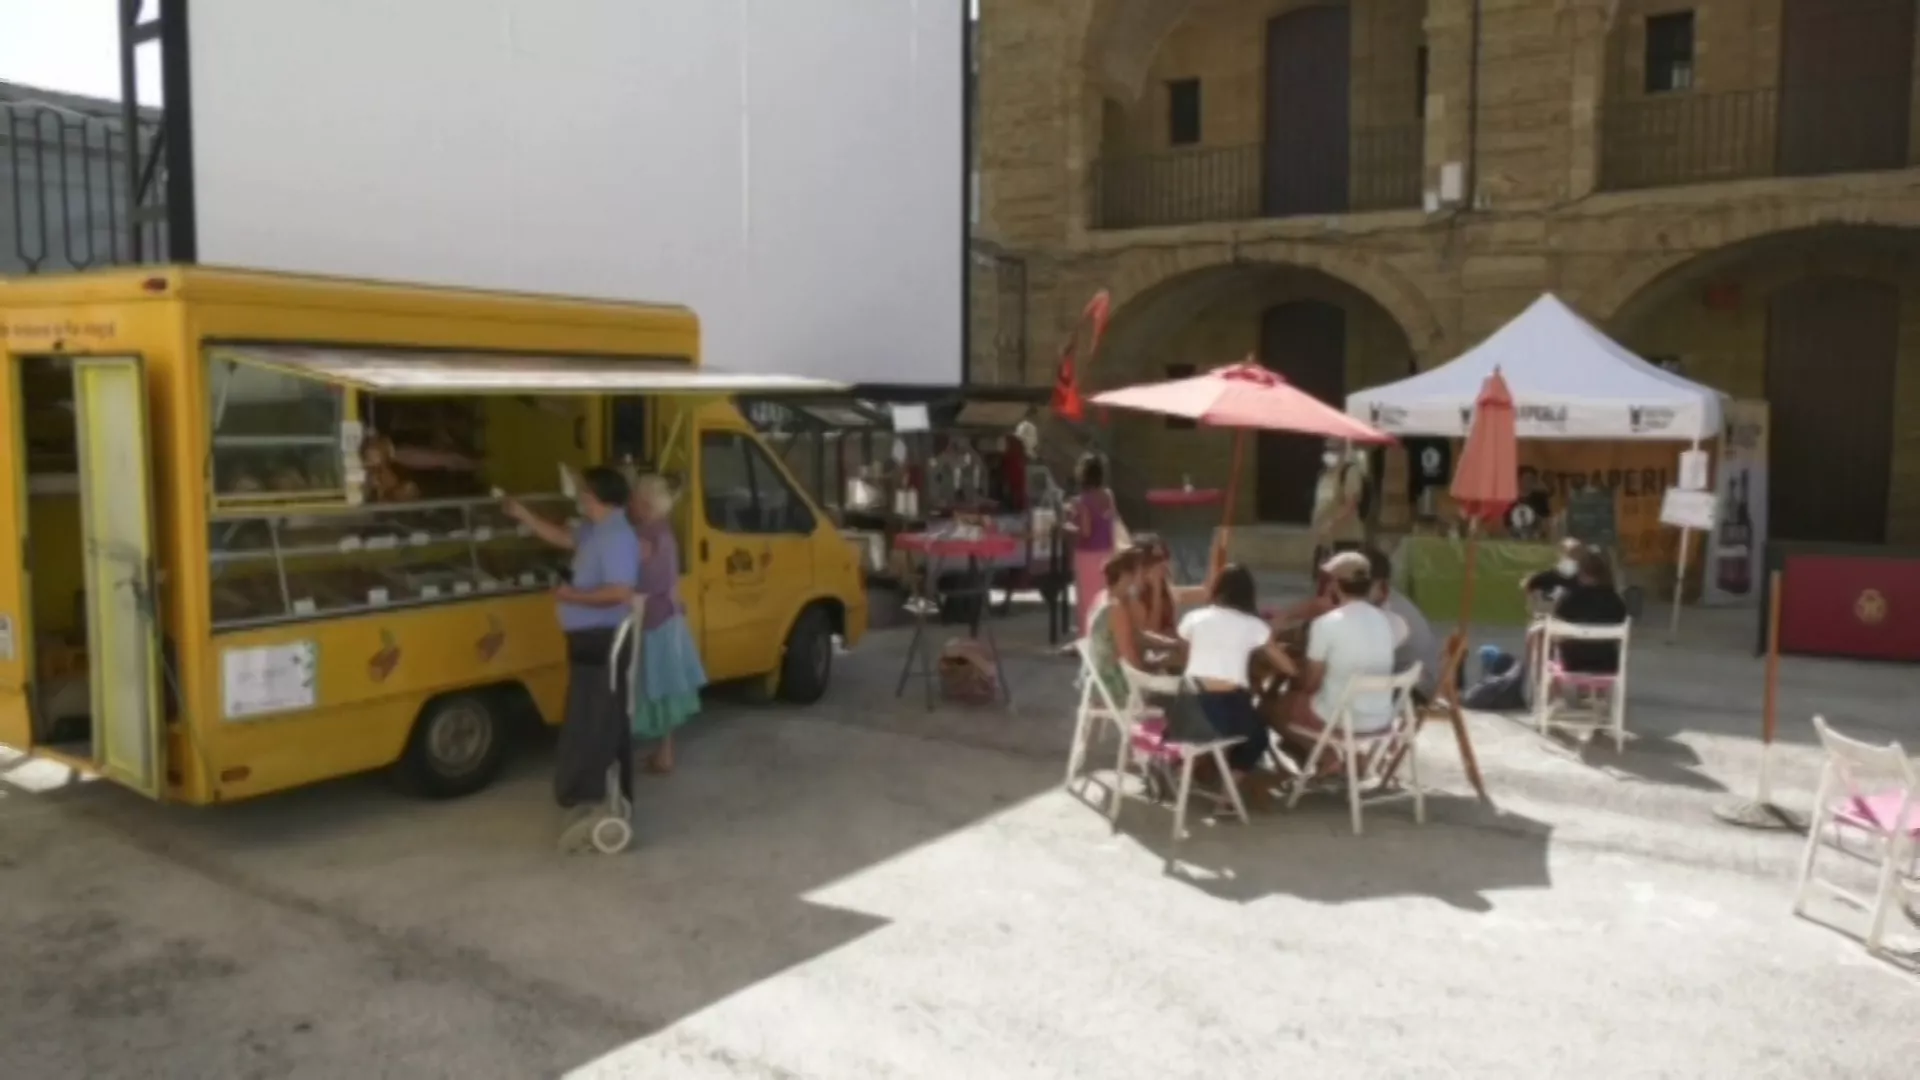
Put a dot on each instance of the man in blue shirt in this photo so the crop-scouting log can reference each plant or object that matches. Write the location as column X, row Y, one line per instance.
column 596, row 735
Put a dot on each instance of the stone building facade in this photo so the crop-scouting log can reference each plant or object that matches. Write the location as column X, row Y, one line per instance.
column 1351, row 191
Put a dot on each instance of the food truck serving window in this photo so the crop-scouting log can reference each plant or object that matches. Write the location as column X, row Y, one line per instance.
column 275, row 435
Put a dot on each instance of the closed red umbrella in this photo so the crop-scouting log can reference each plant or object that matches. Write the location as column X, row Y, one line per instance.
column 1248, row 397
column 1486, row 481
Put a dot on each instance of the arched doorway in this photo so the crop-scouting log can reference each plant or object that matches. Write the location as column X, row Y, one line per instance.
column 1320, row 332
column 1824, row 325
column 1306, row 342
column 1831, row 432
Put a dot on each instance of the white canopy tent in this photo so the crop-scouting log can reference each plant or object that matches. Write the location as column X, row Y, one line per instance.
column 1569, row 381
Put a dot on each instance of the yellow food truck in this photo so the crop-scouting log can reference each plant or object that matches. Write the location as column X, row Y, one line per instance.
column 254, row 534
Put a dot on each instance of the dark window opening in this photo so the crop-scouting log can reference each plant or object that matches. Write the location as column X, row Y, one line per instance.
column 1183, row 112
column 1180, row 371
column 1670, row 52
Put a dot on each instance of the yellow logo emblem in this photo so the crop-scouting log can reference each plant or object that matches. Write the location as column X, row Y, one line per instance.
column 1870, row 607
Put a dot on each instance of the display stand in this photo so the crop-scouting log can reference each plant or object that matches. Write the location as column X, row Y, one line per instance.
column 975, row 587
column 1187, row 531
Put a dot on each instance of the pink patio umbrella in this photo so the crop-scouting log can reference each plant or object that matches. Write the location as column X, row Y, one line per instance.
column 1247, row 397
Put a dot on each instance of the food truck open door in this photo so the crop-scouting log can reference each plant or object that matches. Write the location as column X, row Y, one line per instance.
column 116, row 515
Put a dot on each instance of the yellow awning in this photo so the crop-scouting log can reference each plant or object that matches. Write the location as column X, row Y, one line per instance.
column 400, row 372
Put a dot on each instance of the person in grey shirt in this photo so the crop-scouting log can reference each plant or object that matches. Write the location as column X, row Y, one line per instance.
column 1420, row 644
column 596, row 734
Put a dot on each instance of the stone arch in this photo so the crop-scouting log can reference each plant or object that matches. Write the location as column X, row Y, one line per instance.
column 1150, row 282
column 1737, row 236
column 1823, row 322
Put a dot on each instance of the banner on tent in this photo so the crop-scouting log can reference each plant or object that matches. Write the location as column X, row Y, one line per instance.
column 1637, row 474
column 1539, row 420
column 1738, row 551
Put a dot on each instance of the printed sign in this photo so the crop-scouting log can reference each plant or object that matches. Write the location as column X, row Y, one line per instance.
column 269, row 679
column 1694, row 470
column 1578, row 475
column 1386, row 417
column 1650, row 419
column 1737, row 558
column 1688, row 509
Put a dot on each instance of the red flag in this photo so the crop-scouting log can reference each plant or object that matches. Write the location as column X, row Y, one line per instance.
column 1091, row 328
column 1066, row 389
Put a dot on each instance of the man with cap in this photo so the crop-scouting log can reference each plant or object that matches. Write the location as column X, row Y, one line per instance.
column 1356, row 638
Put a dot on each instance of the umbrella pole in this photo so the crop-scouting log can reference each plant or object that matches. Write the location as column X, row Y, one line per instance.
column 1466, row 584
column 1233, row 483
column 1762, row 812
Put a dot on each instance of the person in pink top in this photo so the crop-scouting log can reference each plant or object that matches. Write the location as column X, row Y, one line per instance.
column 1091, row 522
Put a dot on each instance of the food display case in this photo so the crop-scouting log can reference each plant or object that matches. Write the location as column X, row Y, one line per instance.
column 272, row 566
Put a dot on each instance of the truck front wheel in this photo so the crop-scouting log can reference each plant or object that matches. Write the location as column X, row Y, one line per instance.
column 806, row 665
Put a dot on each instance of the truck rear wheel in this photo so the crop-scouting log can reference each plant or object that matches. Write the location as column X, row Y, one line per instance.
column 457, row 747
column 806, row 665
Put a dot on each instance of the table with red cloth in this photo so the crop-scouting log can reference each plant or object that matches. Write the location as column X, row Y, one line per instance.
column 1185, row 517
column 980, row 551
column 1847, row 600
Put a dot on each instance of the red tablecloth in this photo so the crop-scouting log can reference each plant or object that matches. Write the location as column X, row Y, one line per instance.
column 986, row 546
column 1185, row 497
column 1854, row 606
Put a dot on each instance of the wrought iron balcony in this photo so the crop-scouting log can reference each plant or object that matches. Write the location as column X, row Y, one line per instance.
column 63, row 190
column 1689, row 138
column 1237, row 183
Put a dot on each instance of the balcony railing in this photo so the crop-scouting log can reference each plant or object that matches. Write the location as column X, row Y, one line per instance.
column 1687, row 138
column 63, row 190
column 1238, row 183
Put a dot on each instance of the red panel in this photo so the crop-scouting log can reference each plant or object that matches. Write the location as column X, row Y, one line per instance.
column 1853, row 606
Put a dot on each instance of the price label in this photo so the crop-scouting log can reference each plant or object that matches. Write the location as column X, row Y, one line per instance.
column 349, row 543
column 429, row 592
column 376, row 597
column 382, row 543
column 529, row 579
column 488, row 585
column 462, row 588
column 305, row 606
column 457, row 534
column 483, row 533
column 419, row 539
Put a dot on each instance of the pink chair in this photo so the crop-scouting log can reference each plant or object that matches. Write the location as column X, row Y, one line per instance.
column 1557, row 690
column 1870, row 793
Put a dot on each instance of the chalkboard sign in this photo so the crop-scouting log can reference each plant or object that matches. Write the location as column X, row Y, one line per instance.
column 1590, row 518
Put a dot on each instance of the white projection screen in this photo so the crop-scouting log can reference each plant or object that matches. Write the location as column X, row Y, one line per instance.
column 794, row 170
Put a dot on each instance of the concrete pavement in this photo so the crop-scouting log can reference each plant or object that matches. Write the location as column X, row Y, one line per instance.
column 866, row 889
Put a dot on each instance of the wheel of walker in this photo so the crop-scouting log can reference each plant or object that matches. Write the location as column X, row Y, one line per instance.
column 611, row 836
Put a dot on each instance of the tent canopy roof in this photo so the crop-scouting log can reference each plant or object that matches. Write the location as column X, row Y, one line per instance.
column 1569, row 381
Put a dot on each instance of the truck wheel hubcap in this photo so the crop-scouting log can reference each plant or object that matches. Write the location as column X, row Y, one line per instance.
column 460, row 740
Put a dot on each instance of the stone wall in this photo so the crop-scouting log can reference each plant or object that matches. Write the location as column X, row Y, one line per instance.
column 1447, row 279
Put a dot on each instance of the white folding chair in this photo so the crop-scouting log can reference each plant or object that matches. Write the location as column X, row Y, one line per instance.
column 1147, row 747
column 1384, row 750
column 1870, row 792
column 1552, row 683
column 1098, row 710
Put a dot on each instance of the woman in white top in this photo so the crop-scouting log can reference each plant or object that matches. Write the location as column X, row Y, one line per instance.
column 1221, row 640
